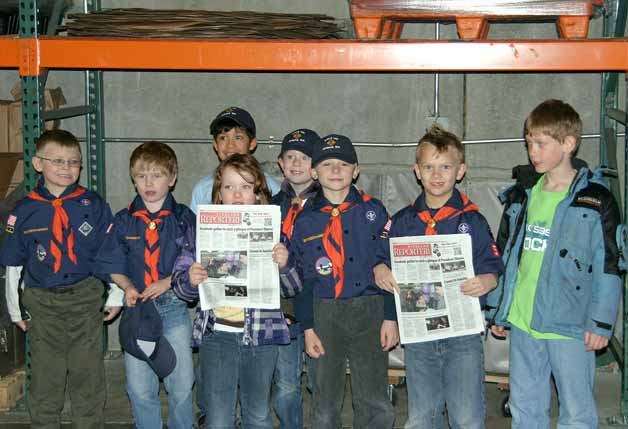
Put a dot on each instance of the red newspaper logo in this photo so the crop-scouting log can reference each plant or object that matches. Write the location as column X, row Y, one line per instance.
column 401, row 250
column 221, row 218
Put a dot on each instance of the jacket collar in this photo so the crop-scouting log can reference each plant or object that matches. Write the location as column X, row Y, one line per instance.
column 319, row 201
column 137, row 204
column 455, row 201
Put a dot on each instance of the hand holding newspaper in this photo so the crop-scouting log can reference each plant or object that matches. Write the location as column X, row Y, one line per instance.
column 234, row 244
column 429, row 270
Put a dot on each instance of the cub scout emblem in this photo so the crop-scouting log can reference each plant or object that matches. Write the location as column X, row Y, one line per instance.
column 371, row 216
column 335, row 212
column 41, row 253
column 323, row 266
column 296, row 135
column 152, row 225
column 11, row 224
column 464, row 228
column 431, row 223
column 85, row 228
column 331, row 142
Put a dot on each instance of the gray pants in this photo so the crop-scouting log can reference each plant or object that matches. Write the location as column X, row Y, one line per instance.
column 350, row 329
column 66, row 340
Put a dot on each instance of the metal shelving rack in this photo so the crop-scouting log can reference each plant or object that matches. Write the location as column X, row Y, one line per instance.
column 34, row 55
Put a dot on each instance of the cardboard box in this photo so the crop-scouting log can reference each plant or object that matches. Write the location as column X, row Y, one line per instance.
column 4, row 125
column 11, row 171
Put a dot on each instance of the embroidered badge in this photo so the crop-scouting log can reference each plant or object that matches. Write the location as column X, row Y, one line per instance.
column 323, row 266
column 85, row 202
column 464, row 228
column 371, row 216
column 41, row 253
column 85, row 228
column 11, row 224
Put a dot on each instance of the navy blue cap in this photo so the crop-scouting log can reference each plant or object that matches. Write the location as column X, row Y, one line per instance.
column 334, row 146
column 302, row 140
column 233, row 114
column 141, row 335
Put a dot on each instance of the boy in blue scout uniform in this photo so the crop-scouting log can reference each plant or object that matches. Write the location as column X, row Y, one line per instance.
column 139, row 253
column 233, row 131
column 449, row 371
column 55, row 233
column 562, row 282
column 343, row 313
column 295, row 160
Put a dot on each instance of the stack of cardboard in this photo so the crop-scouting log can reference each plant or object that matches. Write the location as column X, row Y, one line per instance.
column 12, row 137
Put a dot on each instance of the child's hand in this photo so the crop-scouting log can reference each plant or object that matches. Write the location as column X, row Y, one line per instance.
column 313, row 345
column 499, row 331
column 197, row 274
column 384, row 278
column 389, row 335
column 479, row 285
column 156, row 289
column 280, row 255
column 111, row 312
column 22, row 324
column 131, row 295
column 594, row 341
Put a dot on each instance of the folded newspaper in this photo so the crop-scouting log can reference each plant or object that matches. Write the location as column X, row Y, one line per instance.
column 234, row 243
column 429, row 270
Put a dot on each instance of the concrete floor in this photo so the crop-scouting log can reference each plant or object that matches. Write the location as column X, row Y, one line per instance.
column 118, row 413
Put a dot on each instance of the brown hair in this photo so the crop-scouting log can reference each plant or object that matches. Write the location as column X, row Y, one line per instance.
column 154, row 153
column 442, row 140
column 555, row 119
column 59, row 137
column 242, row 163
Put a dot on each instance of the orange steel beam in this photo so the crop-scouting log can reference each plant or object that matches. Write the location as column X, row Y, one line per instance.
column 589, row 55
column 10, row 49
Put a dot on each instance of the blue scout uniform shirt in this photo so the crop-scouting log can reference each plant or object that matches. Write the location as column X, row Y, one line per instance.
column 364, row 226
column 123, row 249
column 29, row 232
column 486, row 257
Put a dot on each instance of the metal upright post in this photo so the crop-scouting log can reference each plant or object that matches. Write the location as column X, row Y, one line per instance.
column 32, row 94
column 94, row 121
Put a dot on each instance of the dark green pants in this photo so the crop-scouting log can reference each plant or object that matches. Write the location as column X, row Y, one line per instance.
column 66, row 340
column 350, row 329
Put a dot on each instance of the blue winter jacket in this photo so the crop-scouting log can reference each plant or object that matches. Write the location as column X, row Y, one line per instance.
column 579, row 285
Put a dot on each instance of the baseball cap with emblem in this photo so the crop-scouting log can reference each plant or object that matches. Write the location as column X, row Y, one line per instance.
column 334, row 146
column 141, row 335
column 302, row 140
column 233, row 114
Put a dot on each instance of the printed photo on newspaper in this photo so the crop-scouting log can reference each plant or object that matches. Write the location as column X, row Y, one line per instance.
column 429, row 270
column 234, row 243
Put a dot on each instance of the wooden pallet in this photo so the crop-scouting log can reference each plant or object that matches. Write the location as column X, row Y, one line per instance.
column 384, row 19
column 11, row 390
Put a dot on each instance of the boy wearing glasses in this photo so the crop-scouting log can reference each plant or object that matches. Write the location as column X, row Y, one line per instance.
column 55, row 233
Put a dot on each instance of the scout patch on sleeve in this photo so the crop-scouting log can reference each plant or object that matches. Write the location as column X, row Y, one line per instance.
column 323, row 266
column 371, row 216
column 11, row 224
column 495, row 250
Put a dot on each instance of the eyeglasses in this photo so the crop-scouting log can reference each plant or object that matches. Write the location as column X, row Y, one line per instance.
column 59, row 163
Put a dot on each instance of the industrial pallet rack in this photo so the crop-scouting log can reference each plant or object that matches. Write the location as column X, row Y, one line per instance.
column 33, row 56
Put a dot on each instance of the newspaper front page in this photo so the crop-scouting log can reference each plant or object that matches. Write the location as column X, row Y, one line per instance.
column 234, row 244
column 429, row 270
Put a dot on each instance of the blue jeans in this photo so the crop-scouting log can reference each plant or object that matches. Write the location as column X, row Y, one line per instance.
column 532, row 362
column 143, row 384
column 227, row 363
column 288, row 401
column 446, row 372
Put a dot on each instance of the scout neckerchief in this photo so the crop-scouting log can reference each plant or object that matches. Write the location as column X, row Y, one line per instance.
column 151, row 239
column 296, row 207
column 333, row 242
column 444, row 213
column 60, row 227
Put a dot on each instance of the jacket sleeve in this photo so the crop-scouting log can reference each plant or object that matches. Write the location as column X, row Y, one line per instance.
column 606, row 280
column 187, row 256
